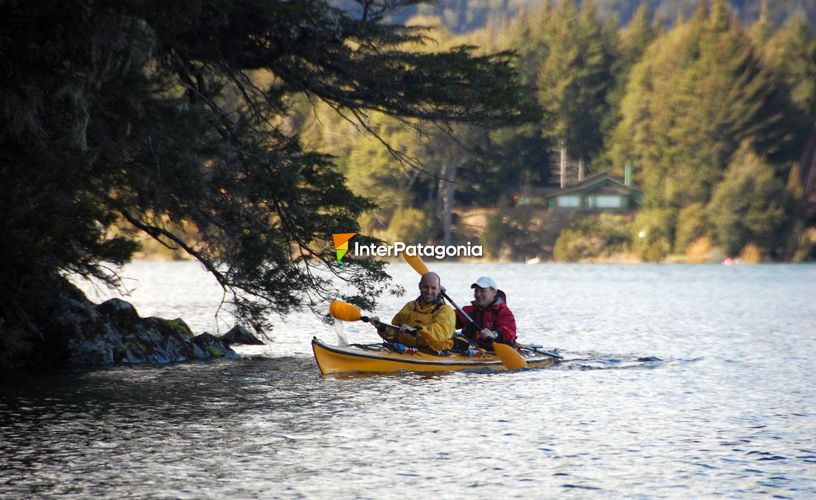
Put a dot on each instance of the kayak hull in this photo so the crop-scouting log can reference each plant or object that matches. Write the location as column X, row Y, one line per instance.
column 334, row 359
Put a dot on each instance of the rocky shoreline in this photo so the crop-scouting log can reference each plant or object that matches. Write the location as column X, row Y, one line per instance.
column 81, row 333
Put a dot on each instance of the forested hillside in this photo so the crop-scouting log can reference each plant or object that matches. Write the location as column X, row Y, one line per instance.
column 715, row 115
column 461, row 16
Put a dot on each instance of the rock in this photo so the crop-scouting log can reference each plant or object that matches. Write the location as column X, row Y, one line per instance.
column 113, row 333
column 19, row 347
column 240, row 335
column 213, row 347
column 118, row 311
column 76, row 332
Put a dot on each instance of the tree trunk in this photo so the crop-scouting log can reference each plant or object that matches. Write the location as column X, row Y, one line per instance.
column 581, row 172
column 447, row 188
column 808, row 165
column 563, row 165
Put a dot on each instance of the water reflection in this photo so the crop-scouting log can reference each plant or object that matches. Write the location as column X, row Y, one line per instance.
column 677, row 382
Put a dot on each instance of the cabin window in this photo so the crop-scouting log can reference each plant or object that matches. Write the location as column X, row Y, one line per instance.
column 607, row 201
column 569, row 201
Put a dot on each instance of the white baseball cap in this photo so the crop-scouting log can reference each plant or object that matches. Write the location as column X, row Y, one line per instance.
column 485, row 282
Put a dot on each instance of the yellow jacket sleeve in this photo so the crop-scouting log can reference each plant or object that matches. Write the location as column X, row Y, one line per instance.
column 404, row 315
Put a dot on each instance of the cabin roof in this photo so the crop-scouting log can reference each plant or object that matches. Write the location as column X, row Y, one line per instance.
column 601, row 183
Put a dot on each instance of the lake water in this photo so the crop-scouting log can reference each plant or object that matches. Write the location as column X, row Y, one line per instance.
column 679, row 381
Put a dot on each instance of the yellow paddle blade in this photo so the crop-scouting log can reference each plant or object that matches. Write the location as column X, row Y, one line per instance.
column 415, row 262
column 344, row 311
column 509, row 356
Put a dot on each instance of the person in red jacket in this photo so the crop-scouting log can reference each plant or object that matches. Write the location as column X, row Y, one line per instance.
column 489, row 310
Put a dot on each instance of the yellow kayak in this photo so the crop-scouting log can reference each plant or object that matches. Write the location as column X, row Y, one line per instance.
column 377, row 358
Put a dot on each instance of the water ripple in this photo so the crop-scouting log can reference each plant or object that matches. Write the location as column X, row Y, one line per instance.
column 678, row 382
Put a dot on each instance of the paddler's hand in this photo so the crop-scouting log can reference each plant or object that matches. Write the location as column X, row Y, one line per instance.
column 487, row 334
column 375, row 322
column 404, row 328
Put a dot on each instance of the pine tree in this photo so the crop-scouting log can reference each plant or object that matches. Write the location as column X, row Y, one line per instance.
column 527, row 39
column 697, row 94
column 763, row 28
column 574, row 79
column 632, row 44
column 749, row 205
column 791, row 55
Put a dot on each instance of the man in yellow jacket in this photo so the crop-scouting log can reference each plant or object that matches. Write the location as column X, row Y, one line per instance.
column 435, row 319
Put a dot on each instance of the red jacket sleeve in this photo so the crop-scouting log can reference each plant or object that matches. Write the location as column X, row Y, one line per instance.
column 461, row 320
column 505, row 324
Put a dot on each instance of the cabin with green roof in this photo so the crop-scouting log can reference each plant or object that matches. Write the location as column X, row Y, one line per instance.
column 601, row 192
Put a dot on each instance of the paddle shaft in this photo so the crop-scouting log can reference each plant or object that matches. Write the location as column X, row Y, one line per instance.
column 462, row 311
column 366, row 319
column 539, row 349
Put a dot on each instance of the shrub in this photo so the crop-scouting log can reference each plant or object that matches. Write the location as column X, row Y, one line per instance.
column 700, row 251
column 751, row 254
column 748, row 205
column 806, row 245
column 493, row 235
column 410, row 225
column 652, row 234
column 593, row 237
column 573, row 245
column 691, row 226
column 501, row 230
column 616, row 232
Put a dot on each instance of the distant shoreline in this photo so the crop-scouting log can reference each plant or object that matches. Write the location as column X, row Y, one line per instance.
column 614, row 260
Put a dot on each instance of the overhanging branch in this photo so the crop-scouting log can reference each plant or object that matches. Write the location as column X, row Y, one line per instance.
column 157, row 233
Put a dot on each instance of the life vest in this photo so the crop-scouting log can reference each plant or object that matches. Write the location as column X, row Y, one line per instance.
column 436, row 321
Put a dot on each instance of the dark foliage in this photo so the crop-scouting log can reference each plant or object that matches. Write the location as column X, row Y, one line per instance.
column 150, row 114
